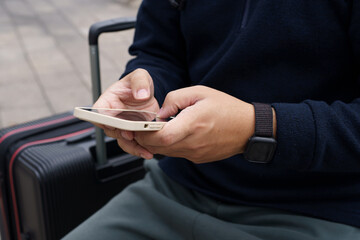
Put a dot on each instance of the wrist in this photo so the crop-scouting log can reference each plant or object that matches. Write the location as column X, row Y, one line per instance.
column 261, row 146
column 246, row 121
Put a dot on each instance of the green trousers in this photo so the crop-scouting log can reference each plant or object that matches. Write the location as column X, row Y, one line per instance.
column 158, row 208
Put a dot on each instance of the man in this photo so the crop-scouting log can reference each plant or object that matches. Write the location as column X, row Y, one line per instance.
column 287, row 168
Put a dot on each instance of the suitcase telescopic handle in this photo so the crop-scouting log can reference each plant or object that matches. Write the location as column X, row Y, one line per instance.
column 112, row 25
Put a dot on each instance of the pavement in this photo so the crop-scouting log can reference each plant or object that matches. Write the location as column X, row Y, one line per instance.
column 44, row 59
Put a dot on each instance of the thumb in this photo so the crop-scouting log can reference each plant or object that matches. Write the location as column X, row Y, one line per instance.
column 179, row 99
column 141, row 84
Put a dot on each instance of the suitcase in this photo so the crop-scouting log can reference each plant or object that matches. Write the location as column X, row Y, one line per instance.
column 55, row 172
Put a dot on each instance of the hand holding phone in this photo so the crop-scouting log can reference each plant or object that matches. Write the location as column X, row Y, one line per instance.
column 134, row 91
column 124, row 119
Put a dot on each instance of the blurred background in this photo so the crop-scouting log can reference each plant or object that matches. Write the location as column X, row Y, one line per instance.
column 44, row 59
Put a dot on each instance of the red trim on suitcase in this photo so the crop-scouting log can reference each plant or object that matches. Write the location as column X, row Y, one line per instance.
column 34, row 126
column 3, row 215
column 13, row 157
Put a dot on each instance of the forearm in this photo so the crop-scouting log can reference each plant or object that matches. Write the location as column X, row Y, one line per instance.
column 316, row 136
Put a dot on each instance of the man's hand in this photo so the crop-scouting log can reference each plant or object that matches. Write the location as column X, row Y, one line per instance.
column 212, row 126
column 134, row 91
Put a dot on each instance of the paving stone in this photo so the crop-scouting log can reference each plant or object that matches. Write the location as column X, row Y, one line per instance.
column 61, row 80
column 17, row 83
column 17, row 8
column 32, row 29
column 68, row 97
column 49, row 58
column 18, row 72
column 10, row 53
column 77, row 52
column 4, row 18
column 5, row 31
column 36, row 43
column 57, row 25
column 43, row 7
column 8, row 38
column 21, row 95
column 44, row 55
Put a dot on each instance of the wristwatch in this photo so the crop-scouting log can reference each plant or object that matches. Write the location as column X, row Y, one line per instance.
column 261, row 146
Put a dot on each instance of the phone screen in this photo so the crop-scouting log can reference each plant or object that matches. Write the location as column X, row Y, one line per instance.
column 127, row 114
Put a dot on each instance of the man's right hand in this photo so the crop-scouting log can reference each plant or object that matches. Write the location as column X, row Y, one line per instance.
column 134, row 91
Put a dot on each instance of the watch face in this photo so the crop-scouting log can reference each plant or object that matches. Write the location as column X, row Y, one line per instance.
column 260, row 149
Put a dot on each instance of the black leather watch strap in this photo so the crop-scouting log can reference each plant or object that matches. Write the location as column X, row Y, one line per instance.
column 263, row 120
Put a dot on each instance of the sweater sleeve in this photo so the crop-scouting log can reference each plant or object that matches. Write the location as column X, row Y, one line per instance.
column 319, row 136
column 159, row 47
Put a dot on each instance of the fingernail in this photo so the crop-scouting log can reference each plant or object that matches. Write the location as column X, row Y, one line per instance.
column 142, row 93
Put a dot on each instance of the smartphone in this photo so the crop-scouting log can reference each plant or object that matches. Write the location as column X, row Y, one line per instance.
column 125, row 119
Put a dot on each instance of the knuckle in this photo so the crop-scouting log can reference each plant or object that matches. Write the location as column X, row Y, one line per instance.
column 139, row 73
column 126, row 147
column 171, row 95
column 109, row 133
column 117, row 134
column 167, row 139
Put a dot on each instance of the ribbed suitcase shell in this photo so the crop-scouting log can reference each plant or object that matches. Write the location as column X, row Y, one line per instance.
column 56, row 182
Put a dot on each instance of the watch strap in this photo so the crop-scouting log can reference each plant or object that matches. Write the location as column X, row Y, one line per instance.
column 263, row 120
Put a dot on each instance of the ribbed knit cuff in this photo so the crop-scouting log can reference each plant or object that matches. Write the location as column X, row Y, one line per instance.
column 295, row 136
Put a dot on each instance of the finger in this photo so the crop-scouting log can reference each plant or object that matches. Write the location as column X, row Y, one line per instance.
column 141, row 84
column 111, row 98
column 131, row 147
column 108, row 127
column 134, row 148
column 179, row 99
column 181, row 149
column 173, row 131
column 166, row 151
column 102, row 126
column 116, row 133
column 128, row 135
column 101, row 102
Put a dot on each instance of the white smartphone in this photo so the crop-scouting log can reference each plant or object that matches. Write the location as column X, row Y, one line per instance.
column 125, row 119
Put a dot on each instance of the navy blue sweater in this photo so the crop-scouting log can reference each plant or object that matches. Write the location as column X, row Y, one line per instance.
column 303, row 57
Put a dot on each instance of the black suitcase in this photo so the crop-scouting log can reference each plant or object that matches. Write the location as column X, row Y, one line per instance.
column 54, row 174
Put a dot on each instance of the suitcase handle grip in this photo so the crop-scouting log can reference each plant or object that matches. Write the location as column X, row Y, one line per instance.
column 112, row 25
